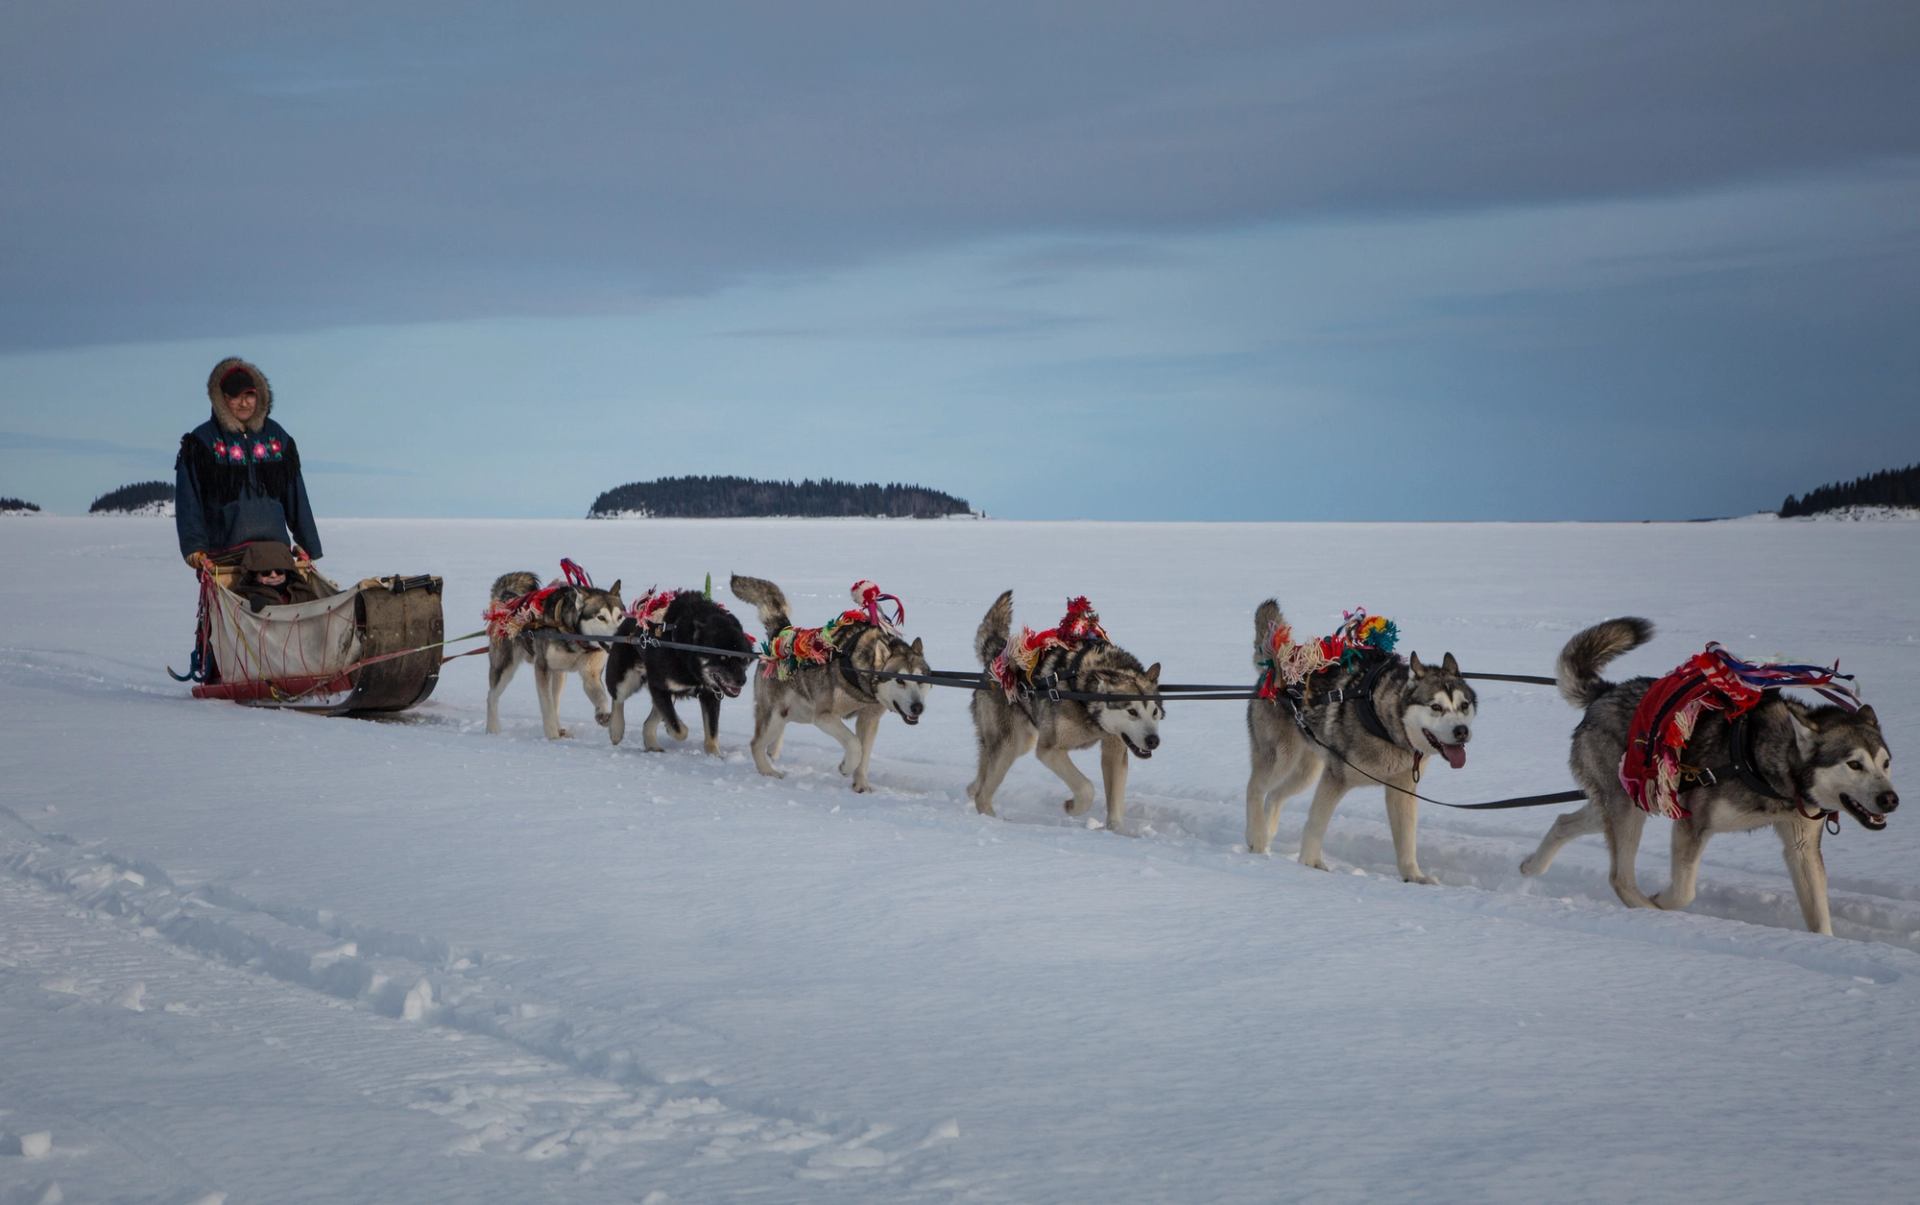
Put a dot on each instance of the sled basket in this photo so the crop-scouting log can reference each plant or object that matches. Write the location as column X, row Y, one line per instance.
column 372, row 647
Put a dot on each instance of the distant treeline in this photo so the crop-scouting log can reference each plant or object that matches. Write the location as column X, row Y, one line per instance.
column 746, row 498
column 16, row 504
column 133, row 497
column 1888, row 487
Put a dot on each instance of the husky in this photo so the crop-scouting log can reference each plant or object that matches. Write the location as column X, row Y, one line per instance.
column 1381, row 717
column 1801, row 764
column 1007, row 729
column 578, row 610
column 667, row 674
column 826, row 694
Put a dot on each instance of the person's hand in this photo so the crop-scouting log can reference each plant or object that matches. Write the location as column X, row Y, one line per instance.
column 198, row 560
column 300, row 557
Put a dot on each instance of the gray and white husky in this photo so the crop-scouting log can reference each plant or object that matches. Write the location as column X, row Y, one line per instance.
column 826, row 694
column 580, row 610
column 1800, row 762
column 1007, row 729
column 1381, row 717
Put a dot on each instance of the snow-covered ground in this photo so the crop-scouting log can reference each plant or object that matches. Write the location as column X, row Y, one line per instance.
column 161, row 509
column 1859, row 514
column 285, row 958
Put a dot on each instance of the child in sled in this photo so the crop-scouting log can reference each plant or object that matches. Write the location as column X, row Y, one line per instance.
column 270, row 577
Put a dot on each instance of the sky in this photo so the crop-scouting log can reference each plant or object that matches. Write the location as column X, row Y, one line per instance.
column 1217, row 261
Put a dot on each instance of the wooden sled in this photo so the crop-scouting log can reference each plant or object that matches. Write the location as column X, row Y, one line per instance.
column 373, row 647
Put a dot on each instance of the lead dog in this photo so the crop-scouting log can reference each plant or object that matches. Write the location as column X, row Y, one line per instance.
column 1826, row 756
column 826, row 694
column 1005, row 729
column 1418, row 709
column 669, row 674
column 578, row 610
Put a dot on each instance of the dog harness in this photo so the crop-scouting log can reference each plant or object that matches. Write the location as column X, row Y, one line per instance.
column 1288, row 665
column 650, row 609
column 793, row 648
column 1653, row 770
column 1013, row 668
column 508, row 617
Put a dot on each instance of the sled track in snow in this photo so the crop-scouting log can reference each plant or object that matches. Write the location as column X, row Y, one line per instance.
column 1451, row 849
column 559, row 1082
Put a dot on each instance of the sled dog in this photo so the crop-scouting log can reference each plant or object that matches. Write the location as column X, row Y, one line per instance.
column 668, row 674
column 579, row 610
column 1801, row 763
column 1006, row 729
column 826, row 694
column 1381, row 716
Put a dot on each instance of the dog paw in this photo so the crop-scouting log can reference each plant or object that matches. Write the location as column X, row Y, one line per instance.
column 603, row 718
column 1527, row 868
column 713, row 748
column 1078, row 807
column 679, row 732
column 561, row 734
column 770, row 772
column 1422, row 878
column 862, row 787
column 846, row 765
column 1315, row 864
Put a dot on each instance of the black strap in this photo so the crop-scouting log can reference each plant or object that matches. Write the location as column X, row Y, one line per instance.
column 852, row 676
column 1529, row 679
column 1362, row 698
column 1520, row 801
column 1738, row 767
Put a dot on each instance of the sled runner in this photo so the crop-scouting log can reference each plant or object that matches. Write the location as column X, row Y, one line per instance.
column 372, row 647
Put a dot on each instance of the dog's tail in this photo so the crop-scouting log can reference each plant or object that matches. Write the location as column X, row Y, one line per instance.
column 513, row 585
column 1266, row 617
column 1578, row 673
column 766, row 598
column 994, row 628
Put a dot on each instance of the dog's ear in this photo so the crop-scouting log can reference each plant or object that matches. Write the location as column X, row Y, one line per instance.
column 1413, row 663
column 1153, row 673
column 1866, row 713
column 615, row 588
column 916, row 648
column 1804, row 737
column 1450, row 665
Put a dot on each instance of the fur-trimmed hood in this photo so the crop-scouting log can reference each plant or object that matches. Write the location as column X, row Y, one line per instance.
column 222, row 416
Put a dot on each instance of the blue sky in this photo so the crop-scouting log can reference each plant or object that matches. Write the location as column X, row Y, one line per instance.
column 1220, row 261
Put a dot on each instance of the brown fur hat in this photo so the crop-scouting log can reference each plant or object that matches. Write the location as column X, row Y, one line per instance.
column 218, row 384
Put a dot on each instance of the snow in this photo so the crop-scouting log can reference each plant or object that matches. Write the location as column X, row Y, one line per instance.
column 250, row 955
column 1857, row 514
column 162, row 509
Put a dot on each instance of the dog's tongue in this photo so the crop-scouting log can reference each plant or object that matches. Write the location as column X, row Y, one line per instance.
column 1456, row 755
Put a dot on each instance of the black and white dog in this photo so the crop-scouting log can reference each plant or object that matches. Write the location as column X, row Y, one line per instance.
column 669, row 674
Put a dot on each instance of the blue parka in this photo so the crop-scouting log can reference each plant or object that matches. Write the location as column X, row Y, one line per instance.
column 237, row 482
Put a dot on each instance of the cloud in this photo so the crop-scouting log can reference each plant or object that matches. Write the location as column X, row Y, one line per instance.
column 226, row 170
column 22, row 441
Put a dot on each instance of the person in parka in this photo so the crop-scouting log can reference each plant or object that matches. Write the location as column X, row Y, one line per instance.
column 237, row 477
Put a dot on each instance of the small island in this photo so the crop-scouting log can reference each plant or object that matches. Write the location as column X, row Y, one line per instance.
column 749, row 498
column 1888, row 492
column 17, row 506
column 140, row 498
